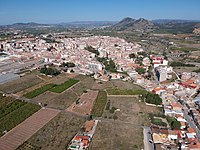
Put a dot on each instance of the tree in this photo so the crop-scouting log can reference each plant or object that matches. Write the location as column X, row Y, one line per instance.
column 140, row 70
column 92, row 50
column 67, row 64
column 142, row 53
column 49, row 71
column 132, row 55
column 151, row 98
column 175, row 124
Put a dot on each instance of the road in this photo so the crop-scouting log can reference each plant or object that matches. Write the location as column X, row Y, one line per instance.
column 147, row 137
column 191, row 122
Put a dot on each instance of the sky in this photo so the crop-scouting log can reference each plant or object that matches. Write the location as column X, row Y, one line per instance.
column 59, row 11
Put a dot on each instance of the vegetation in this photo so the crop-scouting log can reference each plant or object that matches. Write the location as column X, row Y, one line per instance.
column 109, row 64
column 197, row 70
column 132, row 55
column 112, row 110
column 142, row 53
column 99, row 104
column 67, row 64
column 174, row 124
column 48, row 40
column 180, row 64
column 151, row 98
column 17, row 116
column 159, row 122
column 92, row 50
column 184, row 49
column 140, row 70
column 39, row 91
column 51, row 87
column 125, row 92
column 49, row 71
column 10, row 107
column 62, row 87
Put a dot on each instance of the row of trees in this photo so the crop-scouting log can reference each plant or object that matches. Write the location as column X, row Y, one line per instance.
column 67, row 64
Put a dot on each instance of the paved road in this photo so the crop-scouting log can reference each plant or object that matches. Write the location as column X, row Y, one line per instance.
column 147, row 137
column 191, row 122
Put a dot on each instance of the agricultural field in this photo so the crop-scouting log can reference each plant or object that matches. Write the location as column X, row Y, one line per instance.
column 130, row 110
column 115, row 84
column 99, row 104
column 20, row 84
column 84, row 104
column 63, row 86
column 115, row 135
column 51, row 87
column 56, row 134
column 39, row 91
column 13, row 112
column 121, row 126
column 84, row 84
column 124, row 92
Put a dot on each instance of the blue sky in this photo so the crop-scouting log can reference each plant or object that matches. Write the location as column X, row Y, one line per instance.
column 56, row 11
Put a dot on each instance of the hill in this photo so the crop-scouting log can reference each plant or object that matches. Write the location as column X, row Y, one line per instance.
column 129, row 24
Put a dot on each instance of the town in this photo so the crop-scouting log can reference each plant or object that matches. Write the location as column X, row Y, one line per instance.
column 99, row 75
column 111, row 58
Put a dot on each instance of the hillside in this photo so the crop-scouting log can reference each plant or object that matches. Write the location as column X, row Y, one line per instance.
column 129, row 24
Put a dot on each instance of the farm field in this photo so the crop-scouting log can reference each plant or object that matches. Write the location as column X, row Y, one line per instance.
column 51, row 87
column 124, row 92
column 26, row 129
column 56, row 134
column 67, row 97
column 84, row 104
column 122, row 129
column 115, row 84
column 116, row 135
column 99, row 104
column 14, row 112
column 20, row 84
column 39, row 91
column 63, row 86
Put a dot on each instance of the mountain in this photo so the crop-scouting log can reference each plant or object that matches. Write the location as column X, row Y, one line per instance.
column 129, row 24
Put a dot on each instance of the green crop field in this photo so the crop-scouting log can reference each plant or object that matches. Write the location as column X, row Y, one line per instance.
column 10, row 107
column 99, row 104
column 62, row 87
column 39, row 91
column 124, row 92
column 14, row 113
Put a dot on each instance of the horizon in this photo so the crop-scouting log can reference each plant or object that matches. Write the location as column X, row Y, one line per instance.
column 55, row 12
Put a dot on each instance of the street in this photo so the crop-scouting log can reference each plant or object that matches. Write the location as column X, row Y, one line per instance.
column 147, row 145
column 191, row 122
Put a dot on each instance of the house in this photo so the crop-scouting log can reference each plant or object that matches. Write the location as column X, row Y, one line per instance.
column 172, row 134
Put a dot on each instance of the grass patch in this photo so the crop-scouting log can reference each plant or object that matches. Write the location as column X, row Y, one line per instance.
column 125, row 92
column 39, row 91
column 99, row 104
column 62, row 87
column 17, row 116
